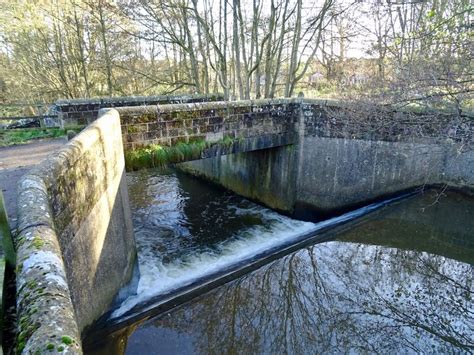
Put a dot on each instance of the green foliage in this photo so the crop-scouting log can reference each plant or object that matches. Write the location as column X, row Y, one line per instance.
column 227, row 141
column 159, row 156
column 21, row 136
column 67, row 340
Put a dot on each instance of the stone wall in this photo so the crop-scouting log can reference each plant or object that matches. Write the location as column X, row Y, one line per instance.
column 211, row 121
column 241, row 125
column 332, row 119
column 346, row 156
column 84, row 111
column 75, row 243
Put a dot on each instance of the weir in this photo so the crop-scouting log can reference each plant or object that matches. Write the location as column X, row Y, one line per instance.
column 387, row 235
column 307, row 158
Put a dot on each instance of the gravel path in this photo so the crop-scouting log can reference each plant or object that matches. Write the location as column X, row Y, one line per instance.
column 15, row 161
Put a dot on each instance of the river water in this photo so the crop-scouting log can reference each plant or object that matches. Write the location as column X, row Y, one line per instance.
column 398, row 280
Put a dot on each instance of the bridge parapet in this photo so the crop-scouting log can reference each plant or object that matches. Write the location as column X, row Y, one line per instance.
column 84, row 111
column 207, row 129
column 75, row 244
column 367, row 121
column 171, row 133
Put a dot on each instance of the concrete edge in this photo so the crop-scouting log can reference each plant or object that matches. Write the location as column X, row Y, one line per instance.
column 46, row 318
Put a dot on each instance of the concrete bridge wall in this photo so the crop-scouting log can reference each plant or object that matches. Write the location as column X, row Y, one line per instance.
column 75, row 244
column 346, row 156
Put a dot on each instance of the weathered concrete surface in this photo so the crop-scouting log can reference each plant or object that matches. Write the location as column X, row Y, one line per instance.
column 75, row 245
column 264, row 175
column 335, row 172
column 345, row 156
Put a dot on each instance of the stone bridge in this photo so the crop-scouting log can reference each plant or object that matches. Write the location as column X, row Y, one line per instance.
column 309, row 158
column 84, row 111
column 208, row 129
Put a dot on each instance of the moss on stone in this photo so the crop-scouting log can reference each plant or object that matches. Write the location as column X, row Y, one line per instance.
column 20, row 346
column 26, row 329
column 50, row 346
column 19, row 268
column 32, row 284
column 132, row 129
column 67, row 340
column 38, row 243
column 19, row 241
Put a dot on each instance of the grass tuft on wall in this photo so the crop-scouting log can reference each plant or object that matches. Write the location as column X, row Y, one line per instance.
column 156, row 155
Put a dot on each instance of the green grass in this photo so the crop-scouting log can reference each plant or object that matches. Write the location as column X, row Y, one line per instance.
column 25, row 135
column 160, row 156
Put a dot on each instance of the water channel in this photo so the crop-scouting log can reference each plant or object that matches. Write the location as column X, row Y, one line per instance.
column 399, row 279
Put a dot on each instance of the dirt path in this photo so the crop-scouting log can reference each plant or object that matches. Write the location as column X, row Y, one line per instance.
column 15, row 161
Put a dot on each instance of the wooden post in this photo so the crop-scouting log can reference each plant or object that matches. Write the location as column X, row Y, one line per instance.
column 41, row 116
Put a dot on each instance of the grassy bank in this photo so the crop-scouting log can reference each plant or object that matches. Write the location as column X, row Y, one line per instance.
column 25, row 135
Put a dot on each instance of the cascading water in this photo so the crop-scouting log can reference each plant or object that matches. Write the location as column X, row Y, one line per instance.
column 398, row 281
column 184, row 234
column 187, row 230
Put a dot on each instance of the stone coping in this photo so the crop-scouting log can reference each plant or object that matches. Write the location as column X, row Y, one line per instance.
column 336, row 103
column 136, row 99
column 210, row 105
column 46, row 316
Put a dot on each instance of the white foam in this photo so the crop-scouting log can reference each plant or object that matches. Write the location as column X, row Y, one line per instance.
column 157, row 278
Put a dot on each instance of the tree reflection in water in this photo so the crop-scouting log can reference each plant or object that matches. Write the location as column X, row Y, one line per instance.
column 335, row 297
column 349, row 295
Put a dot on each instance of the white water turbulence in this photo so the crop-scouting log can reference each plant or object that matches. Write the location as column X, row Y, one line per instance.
column 169, row 220
column 186, row 229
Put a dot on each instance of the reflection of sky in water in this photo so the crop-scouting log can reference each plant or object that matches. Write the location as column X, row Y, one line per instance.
column 332, row 297
column 351, row 295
